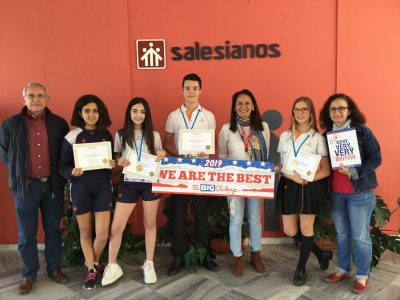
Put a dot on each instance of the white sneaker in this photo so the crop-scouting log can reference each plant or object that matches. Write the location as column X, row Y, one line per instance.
column 148, row 272
column 111, row 274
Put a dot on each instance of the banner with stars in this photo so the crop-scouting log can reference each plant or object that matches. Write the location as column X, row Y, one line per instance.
column 216, row 177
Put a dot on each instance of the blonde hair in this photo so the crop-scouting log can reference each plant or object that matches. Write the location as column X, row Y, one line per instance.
column 310, row 105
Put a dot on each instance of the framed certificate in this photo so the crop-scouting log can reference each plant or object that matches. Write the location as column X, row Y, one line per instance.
column 306, row 164
column 147, row 169
column 193, row 141
column 343, row 148
column 92, row 156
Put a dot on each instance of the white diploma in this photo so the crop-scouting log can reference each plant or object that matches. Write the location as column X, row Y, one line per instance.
column 193, row 141
column 306, row 164
column 343, row 148
column 92, row 156
column 147, row 169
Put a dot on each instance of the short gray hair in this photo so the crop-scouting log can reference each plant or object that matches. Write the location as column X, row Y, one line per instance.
column 32, row 85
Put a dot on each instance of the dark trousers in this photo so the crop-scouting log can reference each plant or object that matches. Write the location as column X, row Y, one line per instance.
column 179, row 212
column 39, row 196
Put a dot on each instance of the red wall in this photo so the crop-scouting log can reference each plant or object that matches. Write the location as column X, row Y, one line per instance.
column 79, row 47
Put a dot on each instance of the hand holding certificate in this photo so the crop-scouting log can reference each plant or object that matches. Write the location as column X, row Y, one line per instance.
column 147, row 169
column 92, row 156
column 305, row 164
column 193, row 141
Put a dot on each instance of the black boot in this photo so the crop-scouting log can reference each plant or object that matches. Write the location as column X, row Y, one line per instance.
column 177, row 265
column 209, row 264
column 326, row 256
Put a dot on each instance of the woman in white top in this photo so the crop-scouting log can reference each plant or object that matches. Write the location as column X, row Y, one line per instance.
column 138, row 136
column 299, row 200
column 245, row 137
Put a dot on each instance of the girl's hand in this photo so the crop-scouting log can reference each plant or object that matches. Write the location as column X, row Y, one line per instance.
column 295, row 177
column 112, row 163
column 160, row 154
column 123, row 162
column 344, row 170
column 201, row 154
column 77, row 172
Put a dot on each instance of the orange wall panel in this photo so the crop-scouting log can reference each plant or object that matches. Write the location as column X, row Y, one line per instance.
column 369, row 70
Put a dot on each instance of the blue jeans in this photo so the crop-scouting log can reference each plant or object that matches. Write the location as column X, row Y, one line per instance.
column 352, row 217
column 236, row 211
column 39, row 195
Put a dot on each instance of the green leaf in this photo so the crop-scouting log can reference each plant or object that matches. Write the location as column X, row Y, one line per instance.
column 381, row 213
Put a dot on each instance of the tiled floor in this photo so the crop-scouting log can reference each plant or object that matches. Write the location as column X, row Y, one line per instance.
column 275, row 283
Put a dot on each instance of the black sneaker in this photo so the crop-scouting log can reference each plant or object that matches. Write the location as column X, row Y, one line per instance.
column 99, row 270
column 299, row 277
column 90, row 281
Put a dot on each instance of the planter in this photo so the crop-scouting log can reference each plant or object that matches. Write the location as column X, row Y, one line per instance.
column 221, row 246
column 325, row 244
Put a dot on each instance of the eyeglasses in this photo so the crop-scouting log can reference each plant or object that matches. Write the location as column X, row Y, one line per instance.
column 301, row 110
column 39, row 96
column 341, row 109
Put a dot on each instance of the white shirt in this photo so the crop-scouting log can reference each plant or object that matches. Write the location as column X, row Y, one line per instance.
column 138, row 137
column 176, row 122
column 314, row 144
column 231, row 144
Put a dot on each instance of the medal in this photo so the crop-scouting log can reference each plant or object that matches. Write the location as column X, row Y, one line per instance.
column 139, row 167
column 151, row 174
column 295, row 163
column 308, row 173
column 208, row 147
column 105, row 161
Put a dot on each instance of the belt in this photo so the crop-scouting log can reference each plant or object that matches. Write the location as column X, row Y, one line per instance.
column 41, row 179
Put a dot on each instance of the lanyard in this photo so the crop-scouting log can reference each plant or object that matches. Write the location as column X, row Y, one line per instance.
column 184, row 119
column 298, row 149
column 246, row 138
column 139, row 154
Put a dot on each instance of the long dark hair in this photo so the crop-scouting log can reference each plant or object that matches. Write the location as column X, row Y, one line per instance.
column 104, row 118
column 147, row 126
column 313, row 118
column 356, row 116
column 255, row 118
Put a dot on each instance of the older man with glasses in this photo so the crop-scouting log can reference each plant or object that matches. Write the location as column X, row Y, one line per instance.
column 30, row 145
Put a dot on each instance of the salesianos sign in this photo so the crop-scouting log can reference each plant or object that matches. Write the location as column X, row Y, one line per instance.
column 151, row 54
column 225, row 51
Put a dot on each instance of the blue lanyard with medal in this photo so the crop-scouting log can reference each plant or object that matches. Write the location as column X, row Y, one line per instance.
column 184, row 119
column 296, row 152
column 139, row 167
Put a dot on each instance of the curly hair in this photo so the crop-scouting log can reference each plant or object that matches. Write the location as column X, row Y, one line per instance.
column 356, row 116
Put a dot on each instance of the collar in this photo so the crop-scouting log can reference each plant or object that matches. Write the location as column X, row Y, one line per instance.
column 183, row 108
column 25, row 112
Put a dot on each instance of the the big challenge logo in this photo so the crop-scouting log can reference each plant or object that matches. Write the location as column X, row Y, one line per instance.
column 151, row 54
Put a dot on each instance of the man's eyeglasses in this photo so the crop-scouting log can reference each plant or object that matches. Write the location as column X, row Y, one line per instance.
column 39, row 96
column 341, row 109
column 301, row 110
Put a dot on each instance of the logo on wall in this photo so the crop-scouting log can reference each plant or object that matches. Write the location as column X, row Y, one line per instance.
column 150, row 54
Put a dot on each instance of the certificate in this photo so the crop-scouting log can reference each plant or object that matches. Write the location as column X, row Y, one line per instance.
column 306, row 164
column 147, row 169
column 193, row 141
column 343, row 148
column 92, row 156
